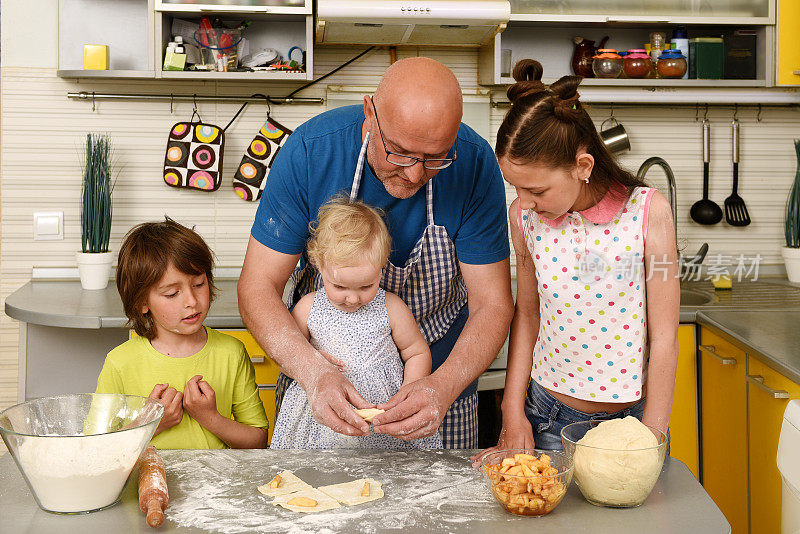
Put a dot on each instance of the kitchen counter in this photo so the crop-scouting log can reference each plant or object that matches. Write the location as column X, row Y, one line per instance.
column 772, row 336
column 426, row 492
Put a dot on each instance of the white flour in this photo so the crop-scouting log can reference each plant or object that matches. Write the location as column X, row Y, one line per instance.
column 80, row 473
column 216, row 491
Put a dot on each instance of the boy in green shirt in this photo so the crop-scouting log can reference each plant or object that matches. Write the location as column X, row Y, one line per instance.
column 204, row 378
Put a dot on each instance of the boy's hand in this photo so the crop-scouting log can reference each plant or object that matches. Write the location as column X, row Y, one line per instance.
column 172, row 400
column 199, row 401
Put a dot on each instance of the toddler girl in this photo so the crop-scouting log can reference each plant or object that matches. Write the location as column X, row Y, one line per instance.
column 201, row 376
column 367, row 331
column 595, row 330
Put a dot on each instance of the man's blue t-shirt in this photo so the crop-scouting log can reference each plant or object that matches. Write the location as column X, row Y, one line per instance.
column 319, row 159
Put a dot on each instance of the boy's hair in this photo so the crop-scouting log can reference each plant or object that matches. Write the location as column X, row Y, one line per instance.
column 148, row 250
column 548, row 125
column 347, row 231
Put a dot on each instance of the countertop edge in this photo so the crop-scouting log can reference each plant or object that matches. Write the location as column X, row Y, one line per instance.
column 53, row 319
column 746, row 345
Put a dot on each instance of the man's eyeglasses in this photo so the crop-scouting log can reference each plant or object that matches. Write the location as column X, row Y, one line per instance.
column 403, row 160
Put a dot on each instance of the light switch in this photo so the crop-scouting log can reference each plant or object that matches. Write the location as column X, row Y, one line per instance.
column 48, row 226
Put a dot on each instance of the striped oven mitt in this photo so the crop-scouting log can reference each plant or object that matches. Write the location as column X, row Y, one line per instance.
column 194, row 155
column 251, row 176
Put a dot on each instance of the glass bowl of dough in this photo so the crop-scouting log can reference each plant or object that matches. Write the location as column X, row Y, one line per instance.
column 527, row 481
column 76, row 452
column 617, row 462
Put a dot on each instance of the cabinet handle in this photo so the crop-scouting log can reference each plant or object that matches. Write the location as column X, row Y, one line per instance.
column 796, row 72
column 257, row 359
column 267, row 387
column 758, row 380
column 724, row 360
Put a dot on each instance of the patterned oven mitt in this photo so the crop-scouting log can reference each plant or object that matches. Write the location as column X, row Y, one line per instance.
column 251, row 176
column 194, row 156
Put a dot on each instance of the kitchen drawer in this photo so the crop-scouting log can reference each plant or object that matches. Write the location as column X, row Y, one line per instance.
column 266, row 369
column 267, row 394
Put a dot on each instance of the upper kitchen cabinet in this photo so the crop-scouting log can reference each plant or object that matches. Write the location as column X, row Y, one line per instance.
column 665, row 11
column 124, row 26
column 270, row 35
column 296, row 7
column 788, row 52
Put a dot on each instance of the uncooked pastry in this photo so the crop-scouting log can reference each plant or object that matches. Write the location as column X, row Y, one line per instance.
column 324, row 502
column 625, row 475
column 289, row 484
column 350, row 492
column 369, row 413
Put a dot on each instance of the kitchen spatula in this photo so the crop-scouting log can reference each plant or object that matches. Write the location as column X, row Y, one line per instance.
column 735, row 209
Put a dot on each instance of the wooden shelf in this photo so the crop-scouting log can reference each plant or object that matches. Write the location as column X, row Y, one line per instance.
column 256, row 75
column 574, row 20
column 657, row 82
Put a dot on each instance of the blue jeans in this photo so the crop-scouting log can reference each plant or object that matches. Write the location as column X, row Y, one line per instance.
column 548, row 416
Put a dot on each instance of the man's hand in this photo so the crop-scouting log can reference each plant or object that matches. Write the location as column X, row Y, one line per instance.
column 416, row 411
column 199, row 401
column 517, row 433
column 332, row 398
column 172, row 400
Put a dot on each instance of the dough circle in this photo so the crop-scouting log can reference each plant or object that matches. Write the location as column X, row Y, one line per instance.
column 290, row 483
column 324, row 501
column 350, row 492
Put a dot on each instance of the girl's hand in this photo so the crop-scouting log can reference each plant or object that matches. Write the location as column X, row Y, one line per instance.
column 199, row 401
column 517, row 433
column 172, row 400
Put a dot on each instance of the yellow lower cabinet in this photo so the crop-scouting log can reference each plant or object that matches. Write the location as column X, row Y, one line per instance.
column 768, row 393
column 268, row 398
column 683, row 421
column 724, row 417
column 266, row 372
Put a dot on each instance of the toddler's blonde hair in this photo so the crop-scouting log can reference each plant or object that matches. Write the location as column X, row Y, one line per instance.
column 346, row 232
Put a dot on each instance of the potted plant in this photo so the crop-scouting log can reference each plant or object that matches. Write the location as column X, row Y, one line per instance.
column 94, row 259
column 791, row 252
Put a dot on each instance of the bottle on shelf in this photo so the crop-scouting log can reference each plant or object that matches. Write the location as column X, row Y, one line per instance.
column 680, row 41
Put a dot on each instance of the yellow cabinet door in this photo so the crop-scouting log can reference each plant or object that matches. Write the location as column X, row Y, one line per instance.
column 788, row 60
column 724, row 417
column 683, row 421
column 768, row 393
column 266, row 372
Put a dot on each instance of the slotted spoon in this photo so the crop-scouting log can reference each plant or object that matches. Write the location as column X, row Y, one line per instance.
column 735, row 209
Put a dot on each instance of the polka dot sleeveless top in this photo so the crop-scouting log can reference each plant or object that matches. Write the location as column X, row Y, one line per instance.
column 592, row 341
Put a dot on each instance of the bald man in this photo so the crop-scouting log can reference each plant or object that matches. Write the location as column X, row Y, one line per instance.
column 438, row 183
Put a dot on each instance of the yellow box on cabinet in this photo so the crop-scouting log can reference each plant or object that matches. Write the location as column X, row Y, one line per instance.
column 95, row 57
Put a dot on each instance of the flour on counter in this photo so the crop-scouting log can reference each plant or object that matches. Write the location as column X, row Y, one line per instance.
column 80, row 473
column 218, row 494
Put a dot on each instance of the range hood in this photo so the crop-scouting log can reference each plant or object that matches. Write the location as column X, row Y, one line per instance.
column 412, row 22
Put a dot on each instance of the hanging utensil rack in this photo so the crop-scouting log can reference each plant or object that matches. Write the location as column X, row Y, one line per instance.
column 172, row 97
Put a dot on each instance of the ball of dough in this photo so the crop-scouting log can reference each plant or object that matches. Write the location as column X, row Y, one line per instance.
column 617, row 472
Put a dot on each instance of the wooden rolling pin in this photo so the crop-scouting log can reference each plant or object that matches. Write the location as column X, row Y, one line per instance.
column 153, row 494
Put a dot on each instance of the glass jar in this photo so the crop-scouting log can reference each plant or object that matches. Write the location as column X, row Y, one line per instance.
column 607, row 63
column 671, row 64
column 637, row 63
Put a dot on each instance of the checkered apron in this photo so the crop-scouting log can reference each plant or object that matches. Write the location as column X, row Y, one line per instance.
column 430, row 283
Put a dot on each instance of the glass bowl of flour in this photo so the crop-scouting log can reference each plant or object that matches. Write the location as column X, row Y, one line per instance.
column 77, row 451
column 617, row 462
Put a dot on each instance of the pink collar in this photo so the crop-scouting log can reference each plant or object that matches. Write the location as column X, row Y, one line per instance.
column 601, row 213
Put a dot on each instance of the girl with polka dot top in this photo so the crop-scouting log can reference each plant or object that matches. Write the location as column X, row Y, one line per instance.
column 595, row 329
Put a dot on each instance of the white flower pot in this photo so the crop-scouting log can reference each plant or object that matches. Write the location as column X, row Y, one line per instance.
column 94, row 268
column 791, row 257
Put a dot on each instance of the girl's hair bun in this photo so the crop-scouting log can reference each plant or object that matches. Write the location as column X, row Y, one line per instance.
column 528, row 75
